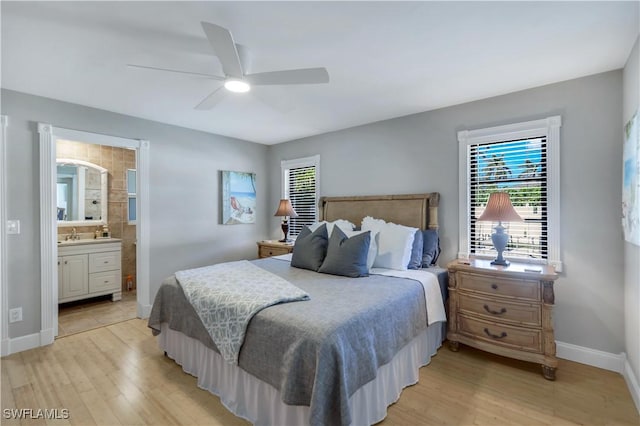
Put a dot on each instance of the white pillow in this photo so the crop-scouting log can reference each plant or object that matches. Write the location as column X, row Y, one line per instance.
column 373, row 246
column 344, row 225
column 395, row 243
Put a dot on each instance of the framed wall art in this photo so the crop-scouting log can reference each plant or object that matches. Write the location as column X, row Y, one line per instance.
column 631, row 182
column 238, row 198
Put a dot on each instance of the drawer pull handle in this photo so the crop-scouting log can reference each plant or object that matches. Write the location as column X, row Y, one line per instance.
column 495, row 336
column 494, row 286
column 500, row 312
column 106, row 261
column 106, row 282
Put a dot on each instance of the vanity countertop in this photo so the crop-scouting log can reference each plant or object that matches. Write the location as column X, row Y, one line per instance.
column 83, row 241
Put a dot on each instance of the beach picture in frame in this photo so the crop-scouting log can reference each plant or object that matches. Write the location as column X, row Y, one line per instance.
column 631, row 182
column 238, row 198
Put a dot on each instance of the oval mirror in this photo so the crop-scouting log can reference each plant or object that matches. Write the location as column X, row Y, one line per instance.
column 81, row 193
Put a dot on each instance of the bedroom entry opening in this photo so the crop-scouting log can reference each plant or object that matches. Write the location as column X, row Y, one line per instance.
column 96, row 238
column 94, row 230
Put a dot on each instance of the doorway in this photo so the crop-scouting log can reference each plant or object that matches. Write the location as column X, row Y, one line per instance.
column 49, row 136
column 94, row 184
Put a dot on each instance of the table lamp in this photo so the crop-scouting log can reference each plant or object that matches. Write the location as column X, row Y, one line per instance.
column 499, row 209
column 285, row 209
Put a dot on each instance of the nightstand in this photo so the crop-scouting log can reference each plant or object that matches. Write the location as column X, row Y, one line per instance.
column 503, row 310
column 268, row 248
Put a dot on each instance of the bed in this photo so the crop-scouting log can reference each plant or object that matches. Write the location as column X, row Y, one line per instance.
column 341, row 357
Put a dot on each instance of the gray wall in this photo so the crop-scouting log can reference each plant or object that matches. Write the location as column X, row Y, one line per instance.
column 184, row 198
column 631, row 252
column 419, row 153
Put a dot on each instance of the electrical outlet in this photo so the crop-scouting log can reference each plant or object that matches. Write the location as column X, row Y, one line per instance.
column 15, row 314
column 13, row 227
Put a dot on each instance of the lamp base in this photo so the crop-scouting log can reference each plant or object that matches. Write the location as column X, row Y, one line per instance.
column 500, row 240
column 285, row 230
column 503, row 262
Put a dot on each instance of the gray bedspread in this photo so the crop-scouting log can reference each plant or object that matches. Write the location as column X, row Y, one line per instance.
column 318, row 352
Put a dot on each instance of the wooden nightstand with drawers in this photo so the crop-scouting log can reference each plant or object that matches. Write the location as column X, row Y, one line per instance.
column 268, row 248
column 503, row 310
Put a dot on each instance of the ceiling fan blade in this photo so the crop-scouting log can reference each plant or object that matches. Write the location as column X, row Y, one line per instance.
column 224, row 48
column 214, row 77
column 300, row 76
column 211, row 100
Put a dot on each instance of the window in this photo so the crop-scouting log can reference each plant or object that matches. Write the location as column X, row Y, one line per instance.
column 300, row 185
column 131, row 196
column 521, row 159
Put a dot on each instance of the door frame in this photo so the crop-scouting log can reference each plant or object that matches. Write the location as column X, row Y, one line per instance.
column 48, row 136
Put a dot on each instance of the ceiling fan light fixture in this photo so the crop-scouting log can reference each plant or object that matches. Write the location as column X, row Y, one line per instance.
column 237, row 86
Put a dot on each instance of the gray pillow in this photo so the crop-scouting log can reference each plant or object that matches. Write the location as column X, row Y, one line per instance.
column 347, row 256
column 416, row 251
column 431, row 247
column 310, row 248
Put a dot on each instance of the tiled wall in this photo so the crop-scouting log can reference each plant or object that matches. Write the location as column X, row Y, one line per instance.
column 116, row 161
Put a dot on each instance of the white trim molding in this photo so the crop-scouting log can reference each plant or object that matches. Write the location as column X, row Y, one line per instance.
column 550, row 129
column 48, row 235
column 592, row 357
column 4, row 294
column 632, row 382
column 143, row 229
column 48, row 135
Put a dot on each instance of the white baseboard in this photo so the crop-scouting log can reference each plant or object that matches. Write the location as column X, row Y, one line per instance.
column 23, row 343
column 143, row 310
column 4, row 347
column 47, row 337
column 632, row 383
column 593, row 357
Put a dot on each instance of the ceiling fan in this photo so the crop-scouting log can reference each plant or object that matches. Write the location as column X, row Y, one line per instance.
column 235, row 59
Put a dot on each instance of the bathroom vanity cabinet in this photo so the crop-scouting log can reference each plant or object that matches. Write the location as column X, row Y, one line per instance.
column 89, row 268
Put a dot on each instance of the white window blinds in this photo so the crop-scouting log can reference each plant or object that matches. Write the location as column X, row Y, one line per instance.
column 518, row 167
column 302, row 193
column 300, row 184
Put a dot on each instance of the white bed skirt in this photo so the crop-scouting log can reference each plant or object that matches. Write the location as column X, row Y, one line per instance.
column 250, row 398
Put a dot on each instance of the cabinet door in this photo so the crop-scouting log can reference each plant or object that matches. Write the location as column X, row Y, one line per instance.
column 75, row 275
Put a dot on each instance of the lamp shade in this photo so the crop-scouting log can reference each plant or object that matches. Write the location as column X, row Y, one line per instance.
column 286, row 209
column 499, row 209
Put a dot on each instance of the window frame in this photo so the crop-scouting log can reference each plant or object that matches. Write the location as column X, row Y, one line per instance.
column 132, row 196
column 548, row 128
column 286, row 165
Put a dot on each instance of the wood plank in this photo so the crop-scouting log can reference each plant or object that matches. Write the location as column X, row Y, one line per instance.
column 117, row 375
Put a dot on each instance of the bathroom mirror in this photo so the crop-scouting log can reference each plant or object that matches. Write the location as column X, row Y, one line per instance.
column 81, row 193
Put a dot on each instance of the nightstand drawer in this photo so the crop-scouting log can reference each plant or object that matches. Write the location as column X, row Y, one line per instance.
column 272, row 251
column 501, row 309
column 501, row 334
column 524, row 289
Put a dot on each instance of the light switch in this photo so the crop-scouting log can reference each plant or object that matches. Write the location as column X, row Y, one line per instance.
column 13, row 227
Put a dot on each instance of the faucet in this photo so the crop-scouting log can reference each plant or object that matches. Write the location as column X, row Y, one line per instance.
column 74, row 234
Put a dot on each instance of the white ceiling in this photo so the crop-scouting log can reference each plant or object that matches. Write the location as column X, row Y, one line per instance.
column 385, row 59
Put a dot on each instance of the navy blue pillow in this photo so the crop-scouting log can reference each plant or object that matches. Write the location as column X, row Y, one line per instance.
column 416, row 251
column 347, row 256
column 310, row 248
column 431, row 247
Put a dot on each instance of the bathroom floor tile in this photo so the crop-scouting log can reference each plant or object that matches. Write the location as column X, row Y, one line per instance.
column 84, row 315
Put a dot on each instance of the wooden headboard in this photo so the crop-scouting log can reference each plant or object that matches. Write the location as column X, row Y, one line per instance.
column 415, row 210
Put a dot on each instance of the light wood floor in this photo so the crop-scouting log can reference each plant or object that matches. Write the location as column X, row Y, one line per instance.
column 83, row 315
column 116, row 375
